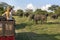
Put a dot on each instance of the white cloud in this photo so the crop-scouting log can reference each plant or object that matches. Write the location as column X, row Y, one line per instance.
column 30, row 6
column 46, row 7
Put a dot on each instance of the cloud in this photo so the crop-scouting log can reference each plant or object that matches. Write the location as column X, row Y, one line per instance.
column 30, row 6
column 46, row 7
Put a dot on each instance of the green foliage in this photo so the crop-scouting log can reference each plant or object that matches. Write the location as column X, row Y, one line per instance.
column 53, row 7
column 1, row 10
column 50, row 13
column 39, row 11
column 29, row 11
column 3, row 7
column 57, row 11
column 19, row 11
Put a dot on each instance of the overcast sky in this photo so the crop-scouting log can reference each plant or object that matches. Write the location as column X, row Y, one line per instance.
column 32, row 4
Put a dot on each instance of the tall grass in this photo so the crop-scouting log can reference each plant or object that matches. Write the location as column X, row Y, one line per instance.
column 27, row 30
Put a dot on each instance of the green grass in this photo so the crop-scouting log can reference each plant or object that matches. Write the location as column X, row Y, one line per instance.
column 28, row 30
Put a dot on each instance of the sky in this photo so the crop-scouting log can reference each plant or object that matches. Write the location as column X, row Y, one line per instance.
column 32, row 4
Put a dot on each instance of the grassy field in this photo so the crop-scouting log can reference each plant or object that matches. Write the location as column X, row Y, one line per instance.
column 28, row 30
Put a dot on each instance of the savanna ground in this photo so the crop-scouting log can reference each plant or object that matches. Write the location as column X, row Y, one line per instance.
column 28, row 30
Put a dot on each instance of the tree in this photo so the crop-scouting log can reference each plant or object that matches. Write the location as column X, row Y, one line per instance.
column 50, row 13
column 39, row 11
column 3, row 7
column 29, row 11
column 20, row 12
column 57, row 11
column 1, row 10
column 53, row 7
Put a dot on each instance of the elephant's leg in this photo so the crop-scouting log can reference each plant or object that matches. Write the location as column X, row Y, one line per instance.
column 46, row 20
column 41, row 21
column 36, row 21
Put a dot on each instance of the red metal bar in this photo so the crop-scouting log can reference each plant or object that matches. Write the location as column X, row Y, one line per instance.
column 7, row 38
column 2, row 38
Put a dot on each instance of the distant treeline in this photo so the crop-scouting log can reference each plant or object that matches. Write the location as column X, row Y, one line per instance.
column 54, row 9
